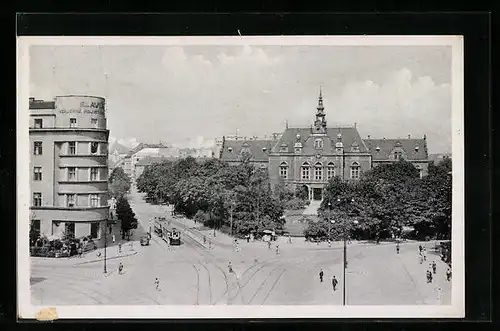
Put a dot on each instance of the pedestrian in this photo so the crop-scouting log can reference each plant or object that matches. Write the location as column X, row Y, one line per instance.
column 397, row 248
column 157, row 283
column 420, row 249
column 204, row 240
column 230, row 267
column 434, row 267
column 289, row 239
column 248, row 238
column 421, row 258
column 80, row 250
column 321, row 276
column 329, row 243
column 424, row 254
column 429, row 276
column 209, row 244
column 448, row 274
column 277, row 249
column 120, row 268
column 334, row 283
column 119, row 247
column 269, row 244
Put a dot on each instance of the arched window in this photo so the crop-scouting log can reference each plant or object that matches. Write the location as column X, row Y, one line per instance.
column 284, row 170
column 330, row 170
column 355, row 170
column 305, row 170
column 420, row 170
column 318, row 171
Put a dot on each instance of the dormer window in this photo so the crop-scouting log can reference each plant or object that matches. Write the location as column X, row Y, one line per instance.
column 377, row 149
column 318, row 143
column 416, row 148
column 230, row 149
column 398, row 155
column 264, row 149
column 284, row 148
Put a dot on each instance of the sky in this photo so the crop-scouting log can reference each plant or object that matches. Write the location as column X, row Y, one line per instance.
column 189, row 95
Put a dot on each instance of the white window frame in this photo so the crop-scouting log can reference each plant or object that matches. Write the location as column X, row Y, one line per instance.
column 92, row 198
column 318, row 143
column 70, row 147
column 90, row 148
column 37, row 199
column 68, row 173
column 318, row 171
column 420, row 171
column 37, row 170
column 284, row 170
column 35, row 121
column 37, row 148
column 71, row 123
column 68, row 200
column 355, row 170
column 305, row 171
column 96, row 174
column 330, row 170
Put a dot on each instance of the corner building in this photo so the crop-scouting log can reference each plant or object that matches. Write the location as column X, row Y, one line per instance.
column 69, row 166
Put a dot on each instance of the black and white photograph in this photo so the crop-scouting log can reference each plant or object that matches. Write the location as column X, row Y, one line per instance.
column 209, row 177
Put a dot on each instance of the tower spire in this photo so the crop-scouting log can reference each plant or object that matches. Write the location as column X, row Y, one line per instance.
column 320, row 122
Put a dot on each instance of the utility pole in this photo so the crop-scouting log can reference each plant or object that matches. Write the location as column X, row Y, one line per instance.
column 105, row 246
column 345, row 265
column 231, row 217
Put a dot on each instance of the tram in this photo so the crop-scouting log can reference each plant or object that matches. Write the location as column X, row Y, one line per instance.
column 170, row 234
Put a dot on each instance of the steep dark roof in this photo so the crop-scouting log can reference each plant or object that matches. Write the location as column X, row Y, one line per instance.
column 387, row 145
column 349, row 136
column 119, row 148
column 254, row 147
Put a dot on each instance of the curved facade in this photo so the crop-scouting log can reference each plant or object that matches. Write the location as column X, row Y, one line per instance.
column 69, row 166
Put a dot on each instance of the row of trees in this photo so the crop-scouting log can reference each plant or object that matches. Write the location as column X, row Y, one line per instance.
column 216, row 193
column 385, row 201
column 119, row 186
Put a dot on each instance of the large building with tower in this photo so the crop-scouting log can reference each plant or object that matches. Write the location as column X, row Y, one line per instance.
column 309, row 156
column 69, row 166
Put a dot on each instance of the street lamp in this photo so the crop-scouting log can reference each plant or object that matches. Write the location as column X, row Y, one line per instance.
column 105, row 245
column 344, row 226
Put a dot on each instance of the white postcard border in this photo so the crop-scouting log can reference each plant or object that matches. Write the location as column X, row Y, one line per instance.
column 457, row 308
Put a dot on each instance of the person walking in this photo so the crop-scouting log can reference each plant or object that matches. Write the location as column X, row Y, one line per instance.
column 448, row 274
column 329, row 243
column 420, row 249
column 277, row 249
column 157, row 284
column 269, row 244
column 230, row 267
column 120, row 247
column 397, row 248
column 424, row 254
column 429, row 276
column 248, row 238
column 120, row 268
column 80, row 251
column 421, row 258
column 334, row 283
column 209, row 244
column 289, row 239
column 434, row 267
column 204, row 240
column 321, row 276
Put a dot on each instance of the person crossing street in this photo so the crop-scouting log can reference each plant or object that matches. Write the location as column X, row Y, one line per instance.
column 321, row 276
column 157, row 284
column 334, row 283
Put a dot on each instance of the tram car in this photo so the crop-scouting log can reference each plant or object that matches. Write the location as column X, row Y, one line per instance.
column 170, row 234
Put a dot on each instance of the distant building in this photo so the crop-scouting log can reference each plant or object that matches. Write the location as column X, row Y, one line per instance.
column 142, row 151
column 309, row 157
column 436, row 158
column 69, row 166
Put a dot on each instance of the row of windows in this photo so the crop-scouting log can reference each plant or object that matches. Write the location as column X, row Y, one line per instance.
column 69, row 228
column 70, row 200
column 93, row 148
column 38, row 123
column 318, row 171
column 71, row 174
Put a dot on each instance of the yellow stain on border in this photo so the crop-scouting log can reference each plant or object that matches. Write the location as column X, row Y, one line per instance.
column 46, row 314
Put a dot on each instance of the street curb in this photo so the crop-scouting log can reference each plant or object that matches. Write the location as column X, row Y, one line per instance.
column 108, row 258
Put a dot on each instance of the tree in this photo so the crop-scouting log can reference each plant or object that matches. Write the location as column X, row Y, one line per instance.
column 119, row 182
column 126, row 217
